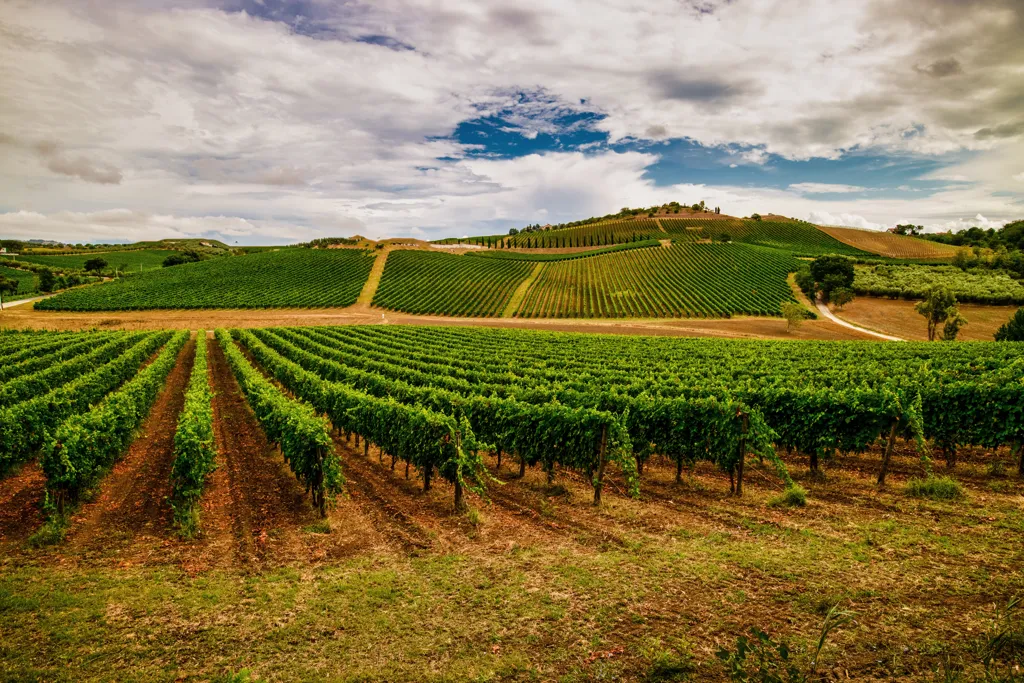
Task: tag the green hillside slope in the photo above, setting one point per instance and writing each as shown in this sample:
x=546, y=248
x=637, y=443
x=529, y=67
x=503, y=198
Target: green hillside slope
x=297, y=278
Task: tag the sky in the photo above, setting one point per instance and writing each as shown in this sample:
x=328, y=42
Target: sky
x=275, y=121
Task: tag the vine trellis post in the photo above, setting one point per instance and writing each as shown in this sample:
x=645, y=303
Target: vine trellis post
x=888, y=452
x=601, y=460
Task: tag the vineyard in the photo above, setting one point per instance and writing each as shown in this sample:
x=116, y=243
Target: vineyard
x=135, y=260
x=294, y=278
x=800, y=239
x=28, y=283
x=466, y=454
x=979, y=285
x=889, y=244
x=594, y=235
x=432, y=283
x=683, y=280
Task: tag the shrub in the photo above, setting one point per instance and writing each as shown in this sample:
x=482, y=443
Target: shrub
x=935, y=488
x=794, y=496
x=1012, y=329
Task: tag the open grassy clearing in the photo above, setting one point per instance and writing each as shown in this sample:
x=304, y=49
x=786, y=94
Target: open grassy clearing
x=898, y=317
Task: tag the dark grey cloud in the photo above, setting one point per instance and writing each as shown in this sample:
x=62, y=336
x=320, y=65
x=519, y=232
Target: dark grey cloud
x=55, y=159
x=942, y=68
x=1006, y=130
x=701, y=89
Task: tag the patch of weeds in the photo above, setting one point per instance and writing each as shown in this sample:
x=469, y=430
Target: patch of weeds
x=243, y=676
x=323, y=527
x=1000, y=487
x=668, y=665
x=997, y=469
x=793, y=496
x=547, y=510
x=474, y=517
x=935, y=488
x=52, y=532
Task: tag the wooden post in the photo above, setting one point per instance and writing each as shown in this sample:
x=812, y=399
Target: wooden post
x=357, y=441
x=732, y=480
x=460, y=504
x=522, y=467
x=366, y=448
x=1020, y=457
x=744, y=426
x=318, y=485
x=406, y=469
x=600, y=465
x=888, y=453
x=499, y=457
x=679, y=469
x=394, y=458
x=814, y=462
x=426, y=476
x=380, y=455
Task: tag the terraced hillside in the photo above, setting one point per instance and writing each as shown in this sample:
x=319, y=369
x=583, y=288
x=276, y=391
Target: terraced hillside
x=294, y=278
x=800, y=239
x=888, y=244
x=683, y=280
x=425, y=282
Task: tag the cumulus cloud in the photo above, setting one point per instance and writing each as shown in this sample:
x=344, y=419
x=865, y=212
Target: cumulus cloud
x=338, y=116
x=847, y=220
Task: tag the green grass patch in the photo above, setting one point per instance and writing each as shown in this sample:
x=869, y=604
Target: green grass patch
x=935, y=488
x=793, y=496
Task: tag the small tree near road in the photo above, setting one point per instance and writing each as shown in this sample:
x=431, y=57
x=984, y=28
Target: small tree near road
x=47, y=280
x=938, y=308
x=840, y=296
x=7, y=286
x=95, y=265
x=794, y=315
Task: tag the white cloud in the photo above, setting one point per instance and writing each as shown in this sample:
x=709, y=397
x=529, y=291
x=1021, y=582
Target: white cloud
x=848, y=220
x=1019, y=177
x=198, y=119
x=825, y=188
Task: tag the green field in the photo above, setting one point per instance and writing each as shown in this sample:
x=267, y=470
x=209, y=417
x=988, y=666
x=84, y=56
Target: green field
x=800, y=239
x=593, y=235
x=300, y=278
x=129, y=261
x=978, y=285
x=28, y=282
x=447, y=284
x=683, y=280
x=566, y=256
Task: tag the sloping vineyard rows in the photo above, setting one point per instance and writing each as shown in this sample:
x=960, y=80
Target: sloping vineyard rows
x=800, y=239
x=195, y=451
x=683, y=280
x=25, y=424
x=818, y=398
x=304, y=436
x=28, y=282
x=40, y=353
x=291, y=278
x=979, y=285
x=568, y=256
x=594, y=235
x=431, y=283
x=86, y=445
x=890, y=245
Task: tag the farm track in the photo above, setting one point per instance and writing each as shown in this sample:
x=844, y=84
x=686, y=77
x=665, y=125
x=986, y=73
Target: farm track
x=264, y=505
x=132, y=501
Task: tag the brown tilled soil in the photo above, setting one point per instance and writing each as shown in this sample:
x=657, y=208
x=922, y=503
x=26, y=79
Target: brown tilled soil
x=21, y=498
x=736, y=328
x=130, y=513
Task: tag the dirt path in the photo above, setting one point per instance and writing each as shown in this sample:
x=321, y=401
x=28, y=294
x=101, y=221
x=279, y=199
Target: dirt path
x=823, y=309
x=132, y=504
x=373, y=281
x=520, y=293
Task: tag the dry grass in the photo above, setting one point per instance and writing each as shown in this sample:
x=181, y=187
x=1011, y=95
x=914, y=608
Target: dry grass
x=898, y=317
